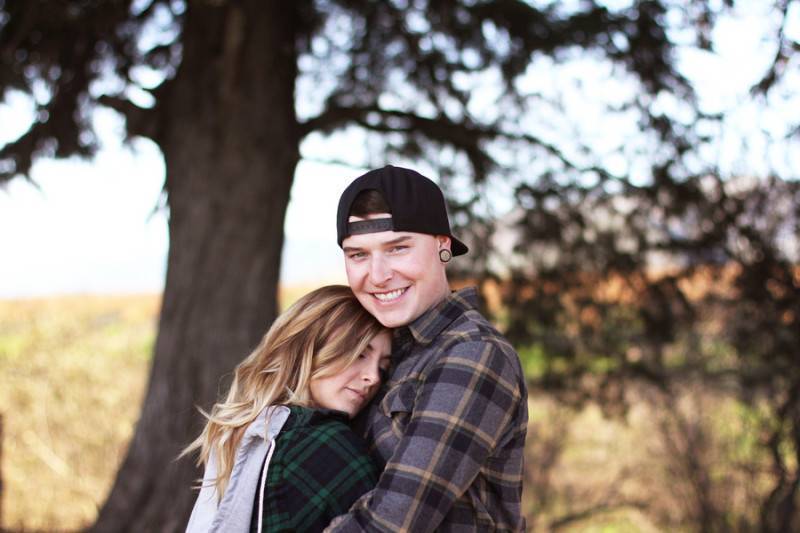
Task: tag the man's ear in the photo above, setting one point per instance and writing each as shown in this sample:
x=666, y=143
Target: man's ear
x=443, y=242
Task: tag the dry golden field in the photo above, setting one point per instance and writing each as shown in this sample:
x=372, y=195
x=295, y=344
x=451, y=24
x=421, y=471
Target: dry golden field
x=73, y=371
x=72, y=374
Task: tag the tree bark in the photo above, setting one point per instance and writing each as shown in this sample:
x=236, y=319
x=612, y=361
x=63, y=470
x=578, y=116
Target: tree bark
x=229, y=135
x=779, y=512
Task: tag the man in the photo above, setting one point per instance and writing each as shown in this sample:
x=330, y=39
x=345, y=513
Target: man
x=450, y=422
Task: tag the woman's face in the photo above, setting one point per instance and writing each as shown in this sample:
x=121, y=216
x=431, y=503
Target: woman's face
x=352, y=388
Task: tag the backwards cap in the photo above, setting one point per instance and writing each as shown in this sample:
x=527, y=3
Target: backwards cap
x=416, y=204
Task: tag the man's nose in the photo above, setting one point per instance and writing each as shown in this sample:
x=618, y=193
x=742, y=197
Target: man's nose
x=379, y=271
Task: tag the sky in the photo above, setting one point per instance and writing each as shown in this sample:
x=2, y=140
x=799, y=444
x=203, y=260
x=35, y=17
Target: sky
x=94, y=226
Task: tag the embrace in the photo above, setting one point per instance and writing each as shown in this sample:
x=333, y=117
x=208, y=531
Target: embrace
x=389, y=405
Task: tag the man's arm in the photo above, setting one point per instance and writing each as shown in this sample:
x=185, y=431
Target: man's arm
x=461, y=411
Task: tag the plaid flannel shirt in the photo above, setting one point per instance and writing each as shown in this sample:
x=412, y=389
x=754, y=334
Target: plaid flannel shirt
x=450, y=426
x=319, y=468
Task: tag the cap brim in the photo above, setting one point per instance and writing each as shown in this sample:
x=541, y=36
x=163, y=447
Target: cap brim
x=457, y=247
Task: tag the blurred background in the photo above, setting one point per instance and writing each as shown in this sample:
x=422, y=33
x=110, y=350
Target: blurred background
x=625, y=174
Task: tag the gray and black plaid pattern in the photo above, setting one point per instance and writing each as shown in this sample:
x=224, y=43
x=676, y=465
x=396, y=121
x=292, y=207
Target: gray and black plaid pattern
x=450, y=427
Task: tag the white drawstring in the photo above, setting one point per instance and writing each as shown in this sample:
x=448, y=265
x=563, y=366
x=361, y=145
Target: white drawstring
x=263, y=484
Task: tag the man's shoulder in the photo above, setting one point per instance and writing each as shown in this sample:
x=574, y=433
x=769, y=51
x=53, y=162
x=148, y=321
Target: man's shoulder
x=472, y=328
x=472, y=345
x=458, y=336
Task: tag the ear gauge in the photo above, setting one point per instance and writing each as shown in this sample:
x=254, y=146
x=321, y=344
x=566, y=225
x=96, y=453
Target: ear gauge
x=445, y=255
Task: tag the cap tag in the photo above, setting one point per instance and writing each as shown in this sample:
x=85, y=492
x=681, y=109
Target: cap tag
x=373, y=225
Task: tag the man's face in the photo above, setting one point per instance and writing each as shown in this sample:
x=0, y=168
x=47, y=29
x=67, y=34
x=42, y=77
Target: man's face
x=396, y=275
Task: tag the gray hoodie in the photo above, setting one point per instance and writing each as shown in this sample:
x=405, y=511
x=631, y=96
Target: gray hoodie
x=233, y=513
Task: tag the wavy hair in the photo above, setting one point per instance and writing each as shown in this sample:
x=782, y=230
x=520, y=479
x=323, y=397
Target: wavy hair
x=319, y=335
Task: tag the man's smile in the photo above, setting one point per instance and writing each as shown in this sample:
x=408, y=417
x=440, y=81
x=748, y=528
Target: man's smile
x=390, y=295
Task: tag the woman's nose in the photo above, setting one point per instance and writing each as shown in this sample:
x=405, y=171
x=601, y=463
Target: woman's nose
x=371, y=374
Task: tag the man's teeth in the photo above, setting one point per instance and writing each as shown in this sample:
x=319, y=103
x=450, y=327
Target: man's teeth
x=388, y=296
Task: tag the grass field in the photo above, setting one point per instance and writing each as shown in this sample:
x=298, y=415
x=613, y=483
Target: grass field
x=73, y=372
x=72, y=375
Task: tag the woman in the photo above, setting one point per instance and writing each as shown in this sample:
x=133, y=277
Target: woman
x=278, y=452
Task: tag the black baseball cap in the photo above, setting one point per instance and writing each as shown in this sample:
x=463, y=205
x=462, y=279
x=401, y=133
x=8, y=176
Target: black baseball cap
x=416, y=204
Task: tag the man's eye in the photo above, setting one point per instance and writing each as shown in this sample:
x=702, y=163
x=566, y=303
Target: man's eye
x=398, y=248
x=356, y=255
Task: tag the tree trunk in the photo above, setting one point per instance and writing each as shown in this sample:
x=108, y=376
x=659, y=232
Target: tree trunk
x=779, y=512
x=230, y=141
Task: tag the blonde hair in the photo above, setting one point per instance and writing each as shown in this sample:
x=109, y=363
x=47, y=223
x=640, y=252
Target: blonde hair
x=319, y=335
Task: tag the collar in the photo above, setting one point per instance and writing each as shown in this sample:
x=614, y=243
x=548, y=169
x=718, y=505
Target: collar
x=312, y=416
x=432, y=322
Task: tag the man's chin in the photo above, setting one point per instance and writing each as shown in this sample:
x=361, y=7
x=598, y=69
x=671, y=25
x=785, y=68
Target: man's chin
x=391, y=319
